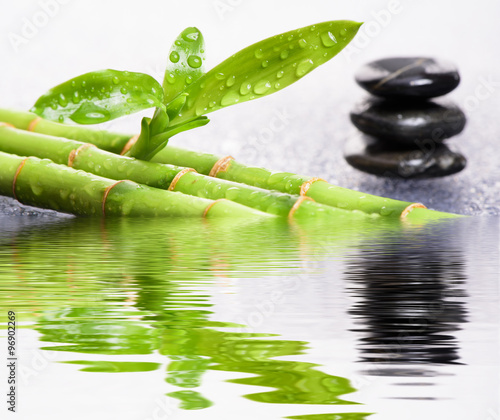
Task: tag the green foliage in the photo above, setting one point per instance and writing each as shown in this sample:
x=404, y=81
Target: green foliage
x=185, y=63
x=99, y=96
x=187, y=93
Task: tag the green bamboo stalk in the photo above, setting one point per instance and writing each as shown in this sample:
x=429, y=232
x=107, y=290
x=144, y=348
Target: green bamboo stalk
x=109, y=165
x=42, y=183
x=320, y=191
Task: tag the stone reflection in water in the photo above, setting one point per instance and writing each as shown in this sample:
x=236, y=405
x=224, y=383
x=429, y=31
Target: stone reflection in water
x=143, y=288
x=409, y=300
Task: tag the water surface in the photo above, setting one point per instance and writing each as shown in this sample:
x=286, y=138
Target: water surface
x=172, y=319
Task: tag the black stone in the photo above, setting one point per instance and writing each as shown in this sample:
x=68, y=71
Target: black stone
x=410, y=123
x=378, y=157
x=408, y=77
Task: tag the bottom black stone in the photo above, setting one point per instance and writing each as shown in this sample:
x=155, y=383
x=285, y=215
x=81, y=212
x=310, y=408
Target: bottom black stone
x=377, y=157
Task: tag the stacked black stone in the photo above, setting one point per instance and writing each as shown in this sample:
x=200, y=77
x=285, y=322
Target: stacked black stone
x=402, y=129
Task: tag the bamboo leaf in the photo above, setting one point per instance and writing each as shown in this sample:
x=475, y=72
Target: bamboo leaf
x=185, y=63
x=267, y=66
x=99, y=96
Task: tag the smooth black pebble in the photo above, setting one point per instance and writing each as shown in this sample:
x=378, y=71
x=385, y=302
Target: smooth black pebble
x=408, y=77
x=378, y=157
x=410, y=123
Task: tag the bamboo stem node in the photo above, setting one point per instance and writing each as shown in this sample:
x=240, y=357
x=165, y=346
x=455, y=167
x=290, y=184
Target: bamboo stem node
x=306, y=185
x=18, y=171
x=6, y=124
x=172, y=185
x=129, y=144
x=213, y=203
x=106, y=192
x=221, y=166
x=408, y=209
x=74, y=153
x=297, y=204
x=33, y=123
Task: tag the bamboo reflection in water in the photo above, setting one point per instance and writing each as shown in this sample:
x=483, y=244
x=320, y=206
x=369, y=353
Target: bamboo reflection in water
x=142, y=288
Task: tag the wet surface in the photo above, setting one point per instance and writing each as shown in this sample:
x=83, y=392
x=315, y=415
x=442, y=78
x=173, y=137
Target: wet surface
x=305, y=321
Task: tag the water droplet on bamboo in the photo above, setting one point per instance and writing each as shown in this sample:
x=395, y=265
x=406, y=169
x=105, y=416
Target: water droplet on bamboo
x=230, y=98
x=62, y=100
x=170, y=78
x=194, y=61
x=174, y=57
x=328, y=39
x=245, y=88
x=262, y=87
x=190, y=35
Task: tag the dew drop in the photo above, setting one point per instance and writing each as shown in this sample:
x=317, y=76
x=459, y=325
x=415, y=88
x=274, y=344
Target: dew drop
x=178, y=43
x=265, y=63
x=116, y=80
x=194, y=61
x=189, y=80
x=61, y=118
x=230, y=81
x=313, y=28
x=343, y=33
x=245, y=88
x=84, y=83
x=73, y=83
x=290, y=37
x=211, y=104
x=76, y=97
x=262, y=87
x=259, y=54
x=304, y=67
x=302, y=43
x=328, y=39
x=170, y=78
x=62, y=100
x=280, y=74
x=123, y=91
x=277, y=85
x=129, y=100
x=174, y=57
x=284, y=54
x=190, y=35
x=220, y=76
x=230, y=98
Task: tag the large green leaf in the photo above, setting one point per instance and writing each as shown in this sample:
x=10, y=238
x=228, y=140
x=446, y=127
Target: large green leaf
x=99, y=96
x=185, y=63
x=267, y=66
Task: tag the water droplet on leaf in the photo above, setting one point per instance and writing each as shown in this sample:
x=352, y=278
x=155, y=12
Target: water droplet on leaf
x=284, y=54
x=230, y=98
x=174, y=56
x=304, y=67
x=262, y=87
x=245, y=88
x=328, y=39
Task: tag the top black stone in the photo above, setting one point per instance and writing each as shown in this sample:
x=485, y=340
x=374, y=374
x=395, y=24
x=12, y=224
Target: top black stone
x=408, y=77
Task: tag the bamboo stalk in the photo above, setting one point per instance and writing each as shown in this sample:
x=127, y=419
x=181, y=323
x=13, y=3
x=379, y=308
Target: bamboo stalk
x=42, y=183
x=319, y=190
x=86, y=157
